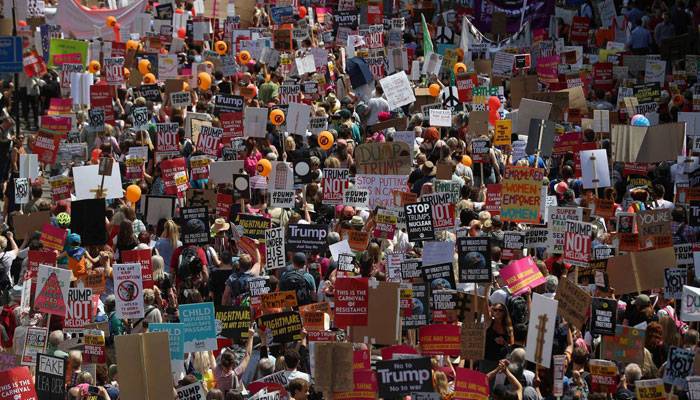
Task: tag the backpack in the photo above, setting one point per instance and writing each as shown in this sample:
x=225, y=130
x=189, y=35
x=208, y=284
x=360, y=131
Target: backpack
x=9, y=322
x=240, y=289
x=518, y=310
x=294, y=280
x=190, y=263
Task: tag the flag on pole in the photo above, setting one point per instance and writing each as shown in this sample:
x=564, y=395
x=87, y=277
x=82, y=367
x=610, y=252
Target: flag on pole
x=427, y=41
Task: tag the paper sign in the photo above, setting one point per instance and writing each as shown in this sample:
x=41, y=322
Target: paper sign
x=199, y=326
x=540, y=335
x=128, y=288
x=522, y=274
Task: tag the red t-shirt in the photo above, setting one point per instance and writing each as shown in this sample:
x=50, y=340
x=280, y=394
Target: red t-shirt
x=175, y=259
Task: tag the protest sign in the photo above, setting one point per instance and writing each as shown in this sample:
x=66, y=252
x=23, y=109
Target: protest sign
x=193, y=391
x=34, y=343
x=440, y=339
x=306, y=238
x=650, y=389
x=335, y=181
x=282, y=327
x=473, y=338
x=603, y=376
x=150, y=366
x=637, y=271
x=52, y=290
x=400, y=377
x=653, y=223
x=79, y=311
x=17, y=384
x=419, y=222
x=128, y=287
x=197, y=219
x=176, y=340
x=679, y=366
x=690, y=304
x=50, y=379
x=540, y=337
x=199, y=326
x=254, y=226
x=351, y=297
x=626, y=345
x=274, y=248
x=603, y=316
x=522, y=274
x=574, y=303
x=521, y=194
x=577, y=243
x=167, y=143
x=674, y=280
x=470, y=385
x=94, y=347
x=557, y=220
x=143, y=257
x=474, y=256
x=390, y=158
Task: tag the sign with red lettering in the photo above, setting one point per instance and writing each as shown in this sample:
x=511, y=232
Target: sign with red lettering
x=351, y=302
x=166, y=140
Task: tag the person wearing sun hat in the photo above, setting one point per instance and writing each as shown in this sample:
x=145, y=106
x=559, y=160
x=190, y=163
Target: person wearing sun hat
x=218, y=232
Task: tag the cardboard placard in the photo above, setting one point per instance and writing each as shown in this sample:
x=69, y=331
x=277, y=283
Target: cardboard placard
x=574, y=303
x=150, y=376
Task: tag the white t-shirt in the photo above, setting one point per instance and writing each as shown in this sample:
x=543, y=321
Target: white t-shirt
x=663, y=203
x=376, y=105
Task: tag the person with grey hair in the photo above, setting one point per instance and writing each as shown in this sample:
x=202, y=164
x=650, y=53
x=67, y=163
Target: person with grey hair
x=55, y=340
x=151, y=313
x=632, y=374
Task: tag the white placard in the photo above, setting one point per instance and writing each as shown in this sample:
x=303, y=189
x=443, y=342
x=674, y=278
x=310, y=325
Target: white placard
x=543, y=314
x=440, y=117
x=397, y=90
x=594, y=168
x=128, y=290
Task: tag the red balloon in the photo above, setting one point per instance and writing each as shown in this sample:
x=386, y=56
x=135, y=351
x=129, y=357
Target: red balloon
x=181, y=33
x=179, y=11
x=493, y=116
x=22, y=23
x=494, y=103
x=302, y=11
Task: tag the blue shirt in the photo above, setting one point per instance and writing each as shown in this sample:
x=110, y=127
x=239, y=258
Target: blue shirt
x=640, y=38
x=634, y=15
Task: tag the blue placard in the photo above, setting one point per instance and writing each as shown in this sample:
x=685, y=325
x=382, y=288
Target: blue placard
x=199, y=326
x=176, y=338
x=282, y=15
x=10, y=54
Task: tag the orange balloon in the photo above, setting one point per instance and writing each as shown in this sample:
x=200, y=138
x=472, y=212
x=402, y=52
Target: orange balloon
x=133, y=193
x=264, y=167
x=144, y=66
x=325, y=140
x=220, y=47
x=466, y=160
x=111, y=21
x=277, y=117
x=244, y=57
x=434, y=90
x=94, y=67
x=149, y=79
x=185, y=86
x=132, y=45
x=460, y=68
x=204, y=81
x=127, y=73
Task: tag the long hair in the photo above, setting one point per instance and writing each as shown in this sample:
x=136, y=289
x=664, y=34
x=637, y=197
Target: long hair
x=171, y=232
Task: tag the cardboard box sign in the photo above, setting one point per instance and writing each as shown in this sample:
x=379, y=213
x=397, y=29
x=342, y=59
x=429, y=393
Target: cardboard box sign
x=149, y=376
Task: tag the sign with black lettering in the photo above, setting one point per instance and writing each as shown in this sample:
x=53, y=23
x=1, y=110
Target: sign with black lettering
x=194, y=391
x=140, y=115
x=474, y=257
x=679, y=366
x=284, y=327
x=254, y=226
x=536, y=237
x=282, y=198
x=232, y=322
x=96, y=118
x=274, y=248
x=195, y=223
x=50, y=377
x=674, y=280
x=603, y=252
x=397, y=378
x=180, y=99
x=603, y=316
x=358, y=198
x=306, y=238
x=419, y=222
x=21, y=190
